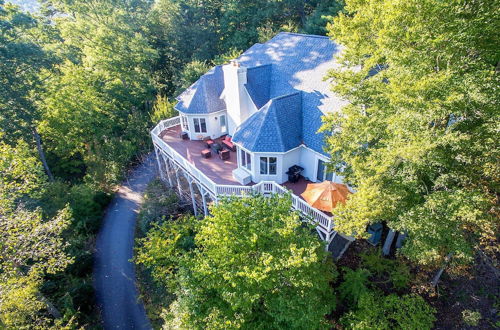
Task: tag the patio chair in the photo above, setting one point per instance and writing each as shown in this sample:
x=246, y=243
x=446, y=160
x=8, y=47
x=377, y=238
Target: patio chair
x=224, y=154
x=228, y=144
x=206, y=153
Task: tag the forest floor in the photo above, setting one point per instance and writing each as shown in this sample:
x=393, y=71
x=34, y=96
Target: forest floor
x=475, y=289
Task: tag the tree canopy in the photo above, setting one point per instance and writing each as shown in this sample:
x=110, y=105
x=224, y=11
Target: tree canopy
x=254, y=265
x=419, y=140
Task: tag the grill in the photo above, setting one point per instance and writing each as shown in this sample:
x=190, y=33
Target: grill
x=294, y=173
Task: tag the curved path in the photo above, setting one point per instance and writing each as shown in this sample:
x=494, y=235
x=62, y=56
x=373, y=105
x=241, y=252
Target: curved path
x=114, y=274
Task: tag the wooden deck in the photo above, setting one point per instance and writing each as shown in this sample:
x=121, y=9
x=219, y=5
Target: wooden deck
x=219, y=171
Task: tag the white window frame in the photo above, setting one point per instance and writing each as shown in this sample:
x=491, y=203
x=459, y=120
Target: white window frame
x=267, y=168
x=325, y=173
x=223, y=128
x=197, y=122
x=185, y=123
x=245, y=160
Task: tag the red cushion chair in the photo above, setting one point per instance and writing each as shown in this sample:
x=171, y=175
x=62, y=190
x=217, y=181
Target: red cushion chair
x=224, y=154
x=206, y=153
x=228, y=144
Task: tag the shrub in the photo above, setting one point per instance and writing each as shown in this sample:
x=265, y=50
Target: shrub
x=375, y=311
x=354, y=285
x=394, y=271
x=163, y=247
x=470, y=317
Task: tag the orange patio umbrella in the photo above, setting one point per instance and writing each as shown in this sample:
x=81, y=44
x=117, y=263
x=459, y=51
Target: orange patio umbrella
x=325, y=195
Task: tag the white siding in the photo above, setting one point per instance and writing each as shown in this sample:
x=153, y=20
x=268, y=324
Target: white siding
x=213, y=125
x=289, y=159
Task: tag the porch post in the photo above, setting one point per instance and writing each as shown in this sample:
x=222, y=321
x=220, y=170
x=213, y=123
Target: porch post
x=159, y=164
x=167, y=167
x=192, y=197
x=178, y=182
x=204, y=200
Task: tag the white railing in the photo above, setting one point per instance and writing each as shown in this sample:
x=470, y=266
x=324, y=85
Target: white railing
x=265, y=187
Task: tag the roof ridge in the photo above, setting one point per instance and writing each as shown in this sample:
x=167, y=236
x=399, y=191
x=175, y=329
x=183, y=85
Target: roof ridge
x=258, y=66
x=279, y=126
x=303, y=35
x=284, y=96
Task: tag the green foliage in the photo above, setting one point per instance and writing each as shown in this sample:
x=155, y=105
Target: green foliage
x=395, y=271
x=255, y=266
x=471, y=318
x=419, y=138
x=191, y=72
x=95, y=107
x=390, y=312
x=165, y=245
x=316, y=22
x=23, y=58
x=21, y=176
x=162, y=109
x=232, y=54
x=354, y=285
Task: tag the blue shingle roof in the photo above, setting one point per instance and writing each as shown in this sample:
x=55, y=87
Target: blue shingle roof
x=276, y=127
x=287, y=63
x=204, y=95
x=259, y=84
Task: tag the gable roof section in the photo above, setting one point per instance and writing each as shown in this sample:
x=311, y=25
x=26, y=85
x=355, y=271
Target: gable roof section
x=276, y=127
x=204, y=95
x=259, y=84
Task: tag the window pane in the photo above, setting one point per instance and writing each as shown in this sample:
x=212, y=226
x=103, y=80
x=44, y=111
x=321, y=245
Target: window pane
x=185, y=125
x=329, y=176
x=321, y=170
x=272, y=165
x=196, y=125
x=263, y=165
x=203, y=125
x=243, y=158
x=249, y=161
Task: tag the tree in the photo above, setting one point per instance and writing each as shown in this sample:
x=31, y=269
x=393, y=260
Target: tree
x=255, y=266
x=22, y=60
x=418, y=139
x=96, y=107
x=31, y=246
x=375, y=311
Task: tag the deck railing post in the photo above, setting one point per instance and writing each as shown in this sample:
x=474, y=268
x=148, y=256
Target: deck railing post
x=178, y=181
x=204, y=200
x=192, y=196
x=167, y=167
x=162, y=176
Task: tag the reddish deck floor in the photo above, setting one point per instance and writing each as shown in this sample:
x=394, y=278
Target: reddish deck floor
x=298, y=187
x=219, y=171
x=216, y=169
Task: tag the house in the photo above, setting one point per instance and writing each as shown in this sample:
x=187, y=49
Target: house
x=269, y=104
